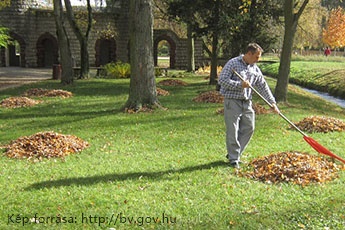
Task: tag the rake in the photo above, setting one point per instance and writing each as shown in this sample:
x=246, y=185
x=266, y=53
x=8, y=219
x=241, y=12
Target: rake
x=313, y=143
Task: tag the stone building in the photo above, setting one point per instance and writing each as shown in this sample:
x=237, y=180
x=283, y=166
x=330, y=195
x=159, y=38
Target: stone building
x=35, y=44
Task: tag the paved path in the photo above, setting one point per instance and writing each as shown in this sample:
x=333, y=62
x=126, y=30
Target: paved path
x=11, y=77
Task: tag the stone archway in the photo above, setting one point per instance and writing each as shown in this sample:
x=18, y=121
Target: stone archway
x=172, y=49
x=47, y=50
x=2, y=57
x=16, y=59
x=105, y=51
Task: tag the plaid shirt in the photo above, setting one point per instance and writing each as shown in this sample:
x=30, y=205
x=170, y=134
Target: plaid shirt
x=231, y=85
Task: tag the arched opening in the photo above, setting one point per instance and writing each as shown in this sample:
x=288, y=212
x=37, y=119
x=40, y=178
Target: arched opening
x=2, y=57
x=47, y=50
x=163, y=54
x=48, y=53
x=105, y=51
x=14, y=53
x=161, y=44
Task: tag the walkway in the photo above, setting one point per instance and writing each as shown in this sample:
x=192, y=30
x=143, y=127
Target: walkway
x=11, y=77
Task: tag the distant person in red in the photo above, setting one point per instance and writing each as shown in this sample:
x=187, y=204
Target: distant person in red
x=327, y=51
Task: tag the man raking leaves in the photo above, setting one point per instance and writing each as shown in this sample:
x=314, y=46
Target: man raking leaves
x=239, y=123
x=239, y=115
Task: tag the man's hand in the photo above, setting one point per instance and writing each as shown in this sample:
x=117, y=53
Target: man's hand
x=275, y=108
x=245, y=84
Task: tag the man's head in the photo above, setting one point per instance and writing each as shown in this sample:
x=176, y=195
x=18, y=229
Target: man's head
x=253, y=53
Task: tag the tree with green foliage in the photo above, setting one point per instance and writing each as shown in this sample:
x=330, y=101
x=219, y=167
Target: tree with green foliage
x=255, y=21
x=293, y=10
x=227, y=25
x=4, y=37
x=203, y=18
x=4, y=3
x=333, y=4
x=309, y=32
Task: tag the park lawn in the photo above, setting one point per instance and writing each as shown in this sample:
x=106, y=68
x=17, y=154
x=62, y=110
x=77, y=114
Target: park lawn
x=160, y=170
x=325, y=76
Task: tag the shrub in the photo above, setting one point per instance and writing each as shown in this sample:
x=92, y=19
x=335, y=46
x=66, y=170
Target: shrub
x=118, y=70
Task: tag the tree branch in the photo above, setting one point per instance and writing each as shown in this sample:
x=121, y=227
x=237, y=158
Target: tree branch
x=301, y=9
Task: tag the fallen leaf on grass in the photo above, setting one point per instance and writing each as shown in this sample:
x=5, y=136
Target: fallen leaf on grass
x=161, y=92
x=144, y=109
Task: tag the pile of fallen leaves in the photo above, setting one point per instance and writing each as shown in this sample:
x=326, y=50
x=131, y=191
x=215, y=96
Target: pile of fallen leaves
x=207, y=69
x=210, y=97
x=17, y=102
x=294, y=167
x=161, y=92
x=216, y=97
x=172, y=82
x=258, y=109
x=45, y=145
x=320, y=124
x=38, y=92
x=25, y=101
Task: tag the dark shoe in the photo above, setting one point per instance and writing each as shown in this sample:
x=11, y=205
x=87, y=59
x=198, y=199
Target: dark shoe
x=227, y=157
x=235, y=165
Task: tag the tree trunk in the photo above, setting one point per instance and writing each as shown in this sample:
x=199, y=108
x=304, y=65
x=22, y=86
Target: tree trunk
x=142, y=90
x=281, y=89
x=290, y=26
x=83, y=39
x=190, y=50
x=215, y=42
x=64, y=45
x=84, y=62
x=214, y=60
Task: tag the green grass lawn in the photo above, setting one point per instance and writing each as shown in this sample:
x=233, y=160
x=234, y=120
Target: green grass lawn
x=159, y=170
x=326, y=76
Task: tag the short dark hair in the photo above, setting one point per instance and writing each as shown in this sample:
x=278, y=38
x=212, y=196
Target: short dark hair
x=254, y=47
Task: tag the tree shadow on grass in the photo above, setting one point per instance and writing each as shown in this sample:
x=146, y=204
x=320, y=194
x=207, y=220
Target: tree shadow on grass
x=87, y=181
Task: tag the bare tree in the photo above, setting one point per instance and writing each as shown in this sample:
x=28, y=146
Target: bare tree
x=64, y=45
x=142, y=90
x=82, y=38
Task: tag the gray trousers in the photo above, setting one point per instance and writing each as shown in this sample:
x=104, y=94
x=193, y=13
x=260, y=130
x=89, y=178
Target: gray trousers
x=239, y=119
